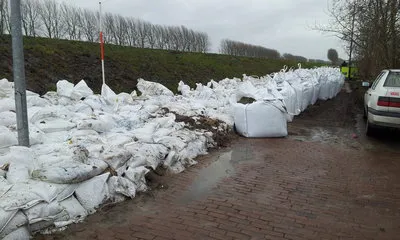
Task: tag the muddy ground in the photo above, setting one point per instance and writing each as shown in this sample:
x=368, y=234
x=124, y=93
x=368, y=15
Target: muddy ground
x=326, y=180
x=340, y=121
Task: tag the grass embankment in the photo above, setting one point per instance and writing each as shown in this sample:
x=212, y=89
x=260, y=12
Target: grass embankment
x=49, y=60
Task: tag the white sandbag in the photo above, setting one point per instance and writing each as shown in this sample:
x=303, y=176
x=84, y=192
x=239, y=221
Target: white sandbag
x=146, y=154
x=10, y=221
x=65, y=191
x=196, y=147
x=64, y=88
x=135, y=175
x=67, y=172
x=21, y=233
x=261, y=119
x=124, y=98
x=82, y=108
x=55, y=125
x=93, y=192
x=81, y=90
x=36, y=135
x=108, y=95
x=121, y=186
x=28, y=194
x=94, y=124
x=6, y=88
x=36, y=101
x=184, y=89
x=50, y=223
x=17, y=173
x=95, y=102
x=115, y=157
x=7, y=138
x=308, y=93
x=74, y=209
x=43, y=212
x=152, y=88
x=118, y=140
x=21, y=160
x=8, y=118
x=289, y=98
x=7, y=104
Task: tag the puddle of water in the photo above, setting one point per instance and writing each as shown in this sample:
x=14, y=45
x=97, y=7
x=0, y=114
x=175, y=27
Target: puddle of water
x=208, y=177
x=317, y=135
x=222, y=167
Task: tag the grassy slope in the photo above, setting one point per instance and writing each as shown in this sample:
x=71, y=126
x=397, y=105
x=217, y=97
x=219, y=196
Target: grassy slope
x=48, y=61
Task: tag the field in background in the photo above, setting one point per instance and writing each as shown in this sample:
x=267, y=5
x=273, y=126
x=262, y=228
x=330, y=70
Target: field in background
x=49, y=60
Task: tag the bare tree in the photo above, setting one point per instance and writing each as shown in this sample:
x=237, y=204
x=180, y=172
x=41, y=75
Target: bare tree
x=71, y=19
x=121, y=30
x=132, y=32
x=370, y=30
x=143, y=31
x=50, y=12
x=89, y=26
x=50, y=19
x=30, y=17
x=296, y=58
x=243, y=49
x=152, y=36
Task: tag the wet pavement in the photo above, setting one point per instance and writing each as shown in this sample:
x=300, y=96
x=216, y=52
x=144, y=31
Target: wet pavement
x=327, y=180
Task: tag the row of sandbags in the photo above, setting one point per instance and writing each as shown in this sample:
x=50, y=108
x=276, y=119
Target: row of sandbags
x=86, y=149
x=280, y=97
x=277, y=99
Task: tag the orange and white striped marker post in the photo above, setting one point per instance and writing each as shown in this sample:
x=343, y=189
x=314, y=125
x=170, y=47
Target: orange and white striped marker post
x=102, y=46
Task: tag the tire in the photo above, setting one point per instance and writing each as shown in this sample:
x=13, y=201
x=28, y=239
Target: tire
x=369, y=129
x=365, y=114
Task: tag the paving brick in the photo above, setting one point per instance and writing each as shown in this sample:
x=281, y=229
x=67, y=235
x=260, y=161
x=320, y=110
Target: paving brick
x=277, y=194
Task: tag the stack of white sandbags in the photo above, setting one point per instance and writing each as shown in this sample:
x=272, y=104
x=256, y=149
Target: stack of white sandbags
x=78, y=139
x=278, y=98
x=87, y=149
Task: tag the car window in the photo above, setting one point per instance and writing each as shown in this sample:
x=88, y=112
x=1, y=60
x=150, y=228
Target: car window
x=393, y=80
x=377, y=80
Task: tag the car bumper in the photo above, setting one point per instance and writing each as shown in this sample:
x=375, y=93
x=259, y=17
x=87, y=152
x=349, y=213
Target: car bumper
x=382, y=119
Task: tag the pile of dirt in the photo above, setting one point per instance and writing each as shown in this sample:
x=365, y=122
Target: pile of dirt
x=223, y=135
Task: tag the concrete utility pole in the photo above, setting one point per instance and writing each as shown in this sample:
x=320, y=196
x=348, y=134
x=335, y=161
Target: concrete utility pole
x=19, y=73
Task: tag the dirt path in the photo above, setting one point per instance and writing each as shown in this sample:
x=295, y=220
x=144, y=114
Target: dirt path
x=325, y=181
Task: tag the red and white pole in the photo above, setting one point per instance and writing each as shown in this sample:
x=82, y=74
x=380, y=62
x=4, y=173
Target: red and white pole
x=102, y=46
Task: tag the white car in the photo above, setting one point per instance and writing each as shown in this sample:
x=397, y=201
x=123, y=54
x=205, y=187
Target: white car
x=382, y=101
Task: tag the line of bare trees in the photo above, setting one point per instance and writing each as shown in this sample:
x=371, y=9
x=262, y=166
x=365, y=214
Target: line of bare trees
x=236, y=48
x=48, y=18
x=371, y=31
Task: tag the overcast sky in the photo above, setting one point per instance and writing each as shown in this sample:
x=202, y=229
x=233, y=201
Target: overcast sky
x=284, y=25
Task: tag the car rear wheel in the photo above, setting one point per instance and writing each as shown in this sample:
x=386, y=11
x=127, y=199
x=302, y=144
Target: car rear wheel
x=369, y=129
x=365, y=114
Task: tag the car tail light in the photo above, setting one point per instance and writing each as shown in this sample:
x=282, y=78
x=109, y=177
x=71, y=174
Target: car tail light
x=389, y=102
x=383, y=101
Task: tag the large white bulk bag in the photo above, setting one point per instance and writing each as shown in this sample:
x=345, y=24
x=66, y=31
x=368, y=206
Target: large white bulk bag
x=261, y=119
x=290, y=99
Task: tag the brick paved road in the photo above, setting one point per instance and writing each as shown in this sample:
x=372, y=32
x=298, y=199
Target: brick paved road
x=264, y=189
